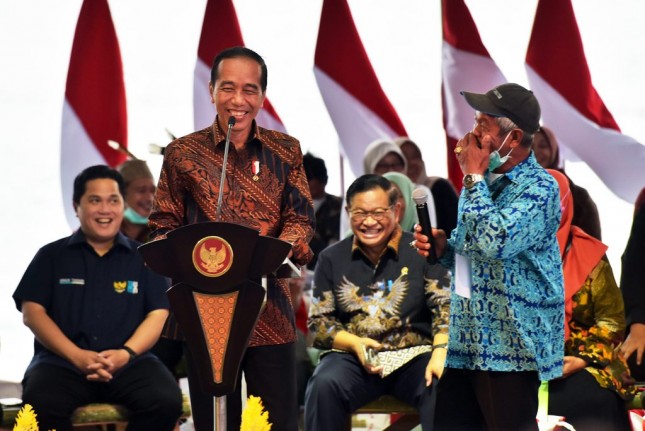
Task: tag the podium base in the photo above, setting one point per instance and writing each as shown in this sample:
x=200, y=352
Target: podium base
x=219, y=410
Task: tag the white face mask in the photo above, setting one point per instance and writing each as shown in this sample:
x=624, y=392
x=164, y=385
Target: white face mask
x=495, y=160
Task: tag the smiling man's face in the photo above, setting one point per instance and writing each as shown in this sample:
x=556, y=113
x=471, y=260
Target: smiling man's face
x=237, y=92
x=100, y=212
x=373, y=219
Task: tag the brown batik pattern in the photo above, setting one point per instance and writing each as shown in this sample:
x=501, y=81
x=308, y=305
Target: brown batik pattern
x=277, y=203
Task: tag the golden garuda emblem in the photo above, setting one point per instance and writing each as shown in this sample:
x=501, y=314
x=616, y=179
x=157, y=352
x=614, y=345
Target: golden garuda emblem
x=212, y=256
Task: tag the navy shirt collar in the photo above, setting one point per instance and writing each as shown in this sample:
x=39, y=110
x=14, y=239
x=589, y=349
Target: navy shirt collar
x=78, y=237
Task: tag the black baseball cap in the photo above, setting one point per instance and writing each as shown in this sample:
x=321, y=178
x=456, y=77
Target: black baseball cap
x=508, y=100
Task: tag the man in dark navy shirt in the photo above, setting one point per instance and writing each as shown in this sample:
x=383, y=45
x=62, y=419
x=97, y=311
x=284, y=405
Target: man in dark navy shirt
x=95, y=311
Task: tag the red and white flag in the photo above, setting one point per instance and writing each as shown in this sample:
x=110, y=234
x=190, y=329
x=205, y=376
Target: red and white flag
x=220, y=30
x=94, y=110
x=357, y=105
x=466, y=65
x=559, y=76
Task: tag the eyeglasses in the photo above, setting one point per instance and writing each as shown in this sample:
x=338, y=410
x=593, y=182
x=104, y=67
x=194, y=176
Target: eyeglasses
x=359, y=216
x=384, y=167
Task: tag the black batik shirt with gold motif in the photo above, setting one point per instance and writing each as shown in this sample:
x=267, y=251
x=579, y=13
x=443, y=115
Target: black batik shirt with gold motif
x=401, y=302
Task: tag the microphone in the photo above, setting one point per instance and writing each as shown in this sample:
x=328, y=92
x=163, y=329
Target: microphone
x=156, y=149
x=231, y=123
x=120, y=148
x=420, y=197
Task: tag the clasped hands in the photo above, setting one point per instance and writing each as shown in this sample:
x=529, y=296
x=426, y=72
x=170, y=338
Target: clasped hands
x=101, y=366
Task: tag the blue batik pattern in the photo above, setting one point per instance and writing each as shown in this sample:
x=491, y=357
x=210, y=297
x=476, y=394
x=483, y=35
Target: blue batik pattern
x=514, y=320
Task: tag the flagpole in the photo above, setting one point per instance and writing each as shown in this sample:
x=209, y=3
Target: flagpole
x=342, y=175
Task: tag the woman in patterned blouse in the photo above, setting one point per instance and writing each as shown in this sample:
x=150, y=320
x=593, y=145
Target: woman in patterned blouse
x=592, y=392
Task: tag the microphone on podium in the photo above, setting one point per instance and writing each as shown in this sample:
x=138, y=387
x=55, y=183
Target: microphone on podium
x=231, y=123
x=420, y=197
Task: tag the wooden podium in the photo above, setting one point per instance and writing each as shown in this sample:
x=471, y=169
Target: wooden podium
x=217, y=294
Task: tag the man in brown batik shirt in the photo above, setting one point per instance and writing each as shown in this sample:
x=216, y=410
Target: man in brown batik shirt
x=265, y=189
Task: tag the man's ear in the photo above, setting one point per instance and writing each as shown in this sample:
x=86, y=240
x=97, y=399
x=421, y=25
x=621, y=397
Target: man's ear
x=397, y=212
x=516, y=137
x=211, y=89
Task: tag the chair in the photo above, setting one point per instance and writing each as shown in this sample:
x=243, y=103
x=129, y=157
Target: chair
x=638, y=402
x=408, y=419
x=408, y=416
x=102, y=416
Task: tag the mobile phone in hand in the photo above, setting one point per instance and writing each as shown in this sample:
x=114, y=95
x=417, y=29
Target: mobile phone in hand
x=370, y=355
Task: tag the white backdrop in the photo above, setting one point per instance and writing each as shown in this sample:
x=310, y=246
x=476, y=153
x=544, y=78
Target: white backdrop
x=158, y=42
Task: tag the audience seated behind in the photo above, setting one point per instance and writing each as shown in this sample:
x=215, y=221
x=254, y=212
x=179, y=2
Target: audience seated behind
x=139, y=196
x=593, y=391
x=443, y=191
x=304, y=363
x=404, y=187
x=327, y=207
x=547, y=153
x=632, y=286
x=384, y=157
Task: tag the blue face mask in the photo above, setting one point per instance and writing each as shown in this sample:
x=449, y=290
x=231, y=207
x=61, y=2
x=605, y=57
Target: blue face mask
x=495, y=160
x=134, y=217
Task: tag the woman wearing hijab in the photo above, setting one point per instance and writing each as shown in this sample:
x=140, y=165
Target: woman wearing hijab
x=383, y=156
x=547, y=153
x=443, y=192
x=408, y=210
x=591, y=394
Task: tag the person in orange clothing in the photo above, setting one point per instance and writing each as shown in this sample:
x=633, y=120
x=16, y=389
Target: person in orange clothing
x=591, y=394
x=547, y=153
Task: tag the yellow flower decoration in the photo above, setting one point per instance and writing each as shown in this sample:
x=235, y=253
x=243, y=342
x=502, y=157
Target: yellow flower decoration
x=404, y=270
x=254, y=418
x=26, y=419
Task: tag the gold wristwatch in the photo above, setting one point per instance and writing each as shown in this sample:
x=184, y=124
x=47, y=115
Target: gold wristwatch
x=471, y=179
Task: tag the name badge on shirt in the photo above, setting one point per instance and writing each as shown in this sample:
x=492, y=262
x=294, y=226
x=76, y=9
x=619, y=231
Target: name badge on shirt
x=74, y=281
x=463, y=276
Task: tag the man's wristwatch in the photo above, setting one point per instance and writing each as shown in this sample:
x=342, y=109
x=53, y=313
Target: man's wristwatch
x=131, y=352
x=471, y=179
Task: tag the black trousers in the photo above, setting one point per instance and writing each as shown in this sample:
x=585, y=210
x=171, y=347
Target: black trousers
x=270, y=373
x=340, y=385
x=146, y=388
x=169, y=352
x=474, y=400
x=586, y=405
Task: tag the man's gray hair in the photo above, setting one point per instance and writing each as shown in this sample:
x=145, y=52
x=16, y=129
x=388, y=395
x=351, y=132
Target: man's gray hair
x=506, y=125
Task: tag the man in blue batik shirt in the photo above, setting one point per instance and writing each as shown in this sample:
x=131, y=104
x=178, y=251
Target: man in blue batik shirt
x=507, y=305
